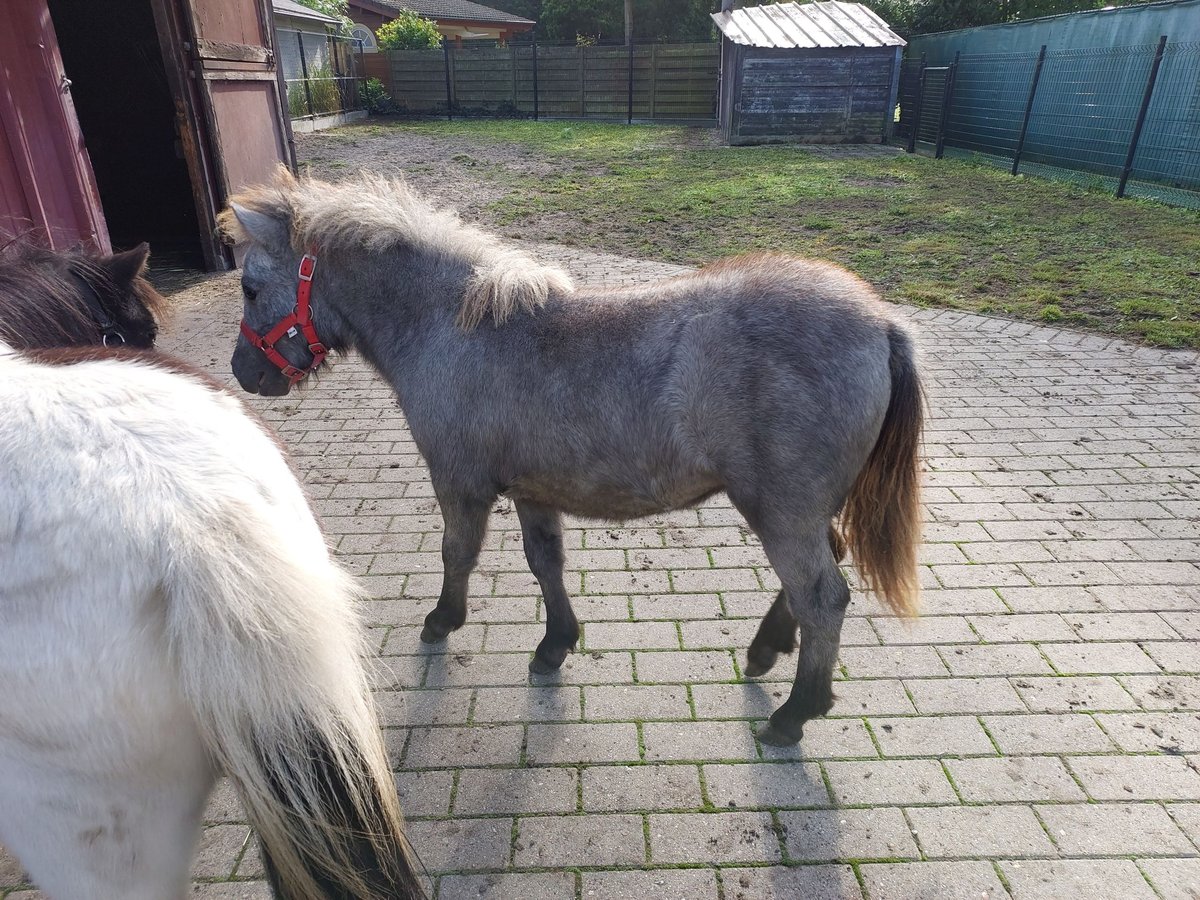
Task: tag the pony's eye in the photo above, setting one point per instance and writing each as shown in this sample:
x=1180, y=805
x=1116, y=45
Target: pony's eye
x=249, y=293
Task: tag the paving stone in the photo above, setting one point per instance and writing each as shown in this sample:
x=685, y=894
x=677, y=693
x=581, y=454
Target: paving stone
x=1175, y=879
x=996, y=659
x=870, y=698
x=537, y=790
x=630, y=635
x=1023, y=627
x=827, y=739
x=765, y=785
x=1097, y=658
x=1046, y=733
x=662, y=884
x=554, y=703
x=637, y=702
x=889, y=782
x=1016, y=779
x=1096, y=879
x=1136, y=777
x=892, y=662
x=218, y=851
x=1113, y=829
x=423, y=707
x=779, y=883
x=569, y=841
x=425, y=793
x=527, y=886
x=685, y=666
x=1075, y=694
x=1153, y=732
x=698, y=740
x=843, y=834
x=932, y=880
x=1167, y=692
x=551, y=744
x=931, y=735
x=449, y=747
x=991, y=831
x=713, y=837
x=632, y=788
x=461, y=845
x=964, y=695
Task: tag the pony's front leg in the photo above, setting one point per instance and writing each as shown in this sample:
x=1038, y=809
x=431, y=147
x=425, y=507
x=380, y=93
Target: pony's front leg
x=466, y=525
x=541, y=531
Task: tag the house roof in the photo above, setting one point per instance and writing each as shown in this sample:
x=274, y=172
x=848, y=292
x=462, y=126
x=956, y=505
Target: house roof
x=454, y=10
x=807, y=25
x=300, y=11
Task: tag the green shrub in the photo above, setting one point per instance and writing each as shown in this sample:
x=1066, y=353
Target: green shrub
x=322, y=86
x=408, y=31
x=376, y=99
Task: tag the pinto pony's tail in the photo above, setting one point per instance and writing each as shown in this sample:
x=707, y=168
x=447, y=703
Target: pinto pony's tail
x=882, y=515
x=265, y=637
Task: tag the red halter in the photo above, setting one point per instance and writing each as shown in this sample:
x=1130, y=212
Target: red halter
x=300, y=317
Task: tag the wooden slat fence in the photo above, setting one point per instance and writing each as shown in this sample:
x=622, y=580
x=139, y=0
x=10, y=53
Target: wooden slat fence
x=671, y=82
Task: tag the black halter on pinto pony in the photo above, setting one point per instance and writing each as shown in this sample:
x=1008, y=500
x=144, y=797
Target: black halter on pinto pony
x=300, y=318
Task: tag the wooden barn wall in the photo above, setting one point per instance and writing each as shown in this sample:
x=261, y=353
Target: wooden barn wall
x=817, y=96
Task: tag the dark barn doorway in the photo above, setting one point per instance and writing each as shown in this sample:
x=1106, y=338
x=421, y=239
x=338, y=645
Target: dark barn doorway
x=119, y=86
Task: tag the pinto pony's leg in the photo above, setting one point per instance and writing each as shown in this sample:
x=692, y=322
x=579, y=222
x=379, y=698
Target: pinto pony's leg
x=541, y=530
x=466, y=527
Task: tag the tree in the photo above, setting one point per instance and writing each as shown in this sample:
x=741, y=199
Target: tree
x=336, y=8
x=408, y=31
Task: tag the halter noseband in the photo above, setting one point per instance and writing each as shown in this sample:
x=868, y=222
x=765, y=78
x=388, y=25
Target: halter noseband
x=300, y=317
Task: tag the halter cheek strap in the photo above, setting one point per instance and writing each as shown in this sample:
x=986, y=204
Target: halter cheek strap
x=299, y=318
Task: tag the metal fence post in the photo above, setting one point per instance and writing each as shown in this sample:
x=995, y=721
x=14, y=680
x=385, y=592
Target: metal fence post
x=449, y=92
x=535, y=74
x=916, y=122
x=1033, y=86
x=304, y=71
x=1141, y=116
x=629, y=118
x=940, y=145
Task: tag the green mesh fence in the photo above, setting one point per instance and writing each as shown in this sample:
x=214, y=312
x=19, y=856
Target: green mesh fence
x=1075, y=118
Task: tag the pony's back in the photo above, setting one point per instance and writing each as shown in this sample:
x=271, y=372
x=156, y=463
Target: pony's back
x=148, y=508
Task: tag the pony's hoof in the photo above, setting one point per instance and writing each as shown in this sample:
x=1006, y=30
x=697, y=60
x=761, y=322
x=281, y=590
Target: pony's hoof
x=759, y=664
x=539, y=666
x=774, y=737
x=431, y=635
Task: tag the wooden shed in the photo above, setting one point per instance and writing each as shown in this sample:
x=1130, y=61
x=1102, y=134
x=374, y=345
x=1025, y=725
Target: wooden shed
x=131, y=121
x=807, y=73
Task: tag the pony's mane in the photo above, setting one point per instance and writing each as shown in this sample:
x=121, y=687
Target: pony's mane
x=41, y=303
x=379, y=214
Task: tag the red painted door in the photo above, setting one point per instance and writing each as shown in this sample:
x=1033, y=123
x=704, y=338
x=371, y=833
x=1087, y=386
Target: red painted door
x=47, y=189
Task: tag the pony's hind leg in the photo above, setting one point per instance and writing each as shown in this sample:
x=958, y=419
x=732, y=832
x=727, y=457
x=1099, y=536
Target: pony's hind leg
x=777, y=631
x=818, y=596
x=541, y=531
x=466, y=527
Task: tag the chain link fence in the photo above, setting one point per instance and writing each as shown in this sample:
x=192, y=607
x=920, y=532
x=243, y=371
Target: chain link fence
x=1125, y=119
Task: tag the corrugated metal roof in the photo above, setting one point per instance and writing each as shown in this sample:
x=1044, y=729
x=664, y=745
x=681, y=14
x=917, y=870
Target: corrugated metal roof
x=807, y=25
x=299, y=11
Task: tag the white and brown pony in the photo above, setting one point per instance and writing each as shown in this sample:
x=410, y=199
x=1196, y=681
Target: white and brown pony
x=171, y=612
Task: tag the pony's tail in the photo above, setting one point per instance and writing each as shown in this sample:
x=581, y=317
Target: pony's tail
x=882, y=515
x=263, y=630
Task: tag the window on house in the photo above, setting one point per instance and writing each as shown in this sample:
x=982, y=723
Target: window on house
x=365, y=36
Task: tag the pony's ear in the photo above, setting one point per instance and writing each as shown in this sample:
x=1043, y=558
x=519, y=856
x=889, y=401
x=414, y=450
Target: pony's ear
x=260, y=227
x=124, y=267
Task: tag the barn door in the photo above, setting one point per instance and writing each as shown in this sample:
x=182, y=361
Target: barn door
x=226, y=50
x=47, y=188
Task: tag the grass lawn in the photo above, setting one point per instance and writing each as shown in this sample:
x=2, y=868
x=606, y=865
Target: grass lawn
x=945, y=233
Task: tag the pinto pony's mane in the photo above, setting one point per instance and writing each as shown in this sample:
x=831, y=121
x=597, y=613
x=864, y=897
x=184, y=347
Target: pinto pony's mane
x=378, y=215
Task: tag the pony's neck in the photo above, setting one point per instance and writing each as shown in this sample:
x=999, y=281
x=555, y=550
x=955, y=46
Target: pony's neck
x=386, y=305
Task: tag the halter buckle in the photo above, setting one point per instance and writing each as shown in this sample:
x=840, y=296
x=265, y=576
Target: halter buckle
x=308, y=265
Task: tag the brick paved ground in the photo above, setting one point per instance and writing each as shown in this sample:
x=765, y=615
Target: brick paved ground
x=1036, y=733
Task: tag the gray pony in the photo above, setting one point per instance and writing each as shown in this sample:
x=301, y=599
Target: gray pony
x=784, y=382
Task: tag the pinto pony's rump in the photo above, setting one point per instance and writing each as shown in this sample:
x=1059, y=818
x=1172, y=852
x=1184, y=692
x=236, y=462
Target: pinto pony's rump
x=882, y=516
x=172, y=611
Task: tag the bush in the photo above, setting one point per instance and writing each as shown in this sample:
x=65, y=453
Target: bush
x=322, y=86
x=376, y=99
x=408, y=31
